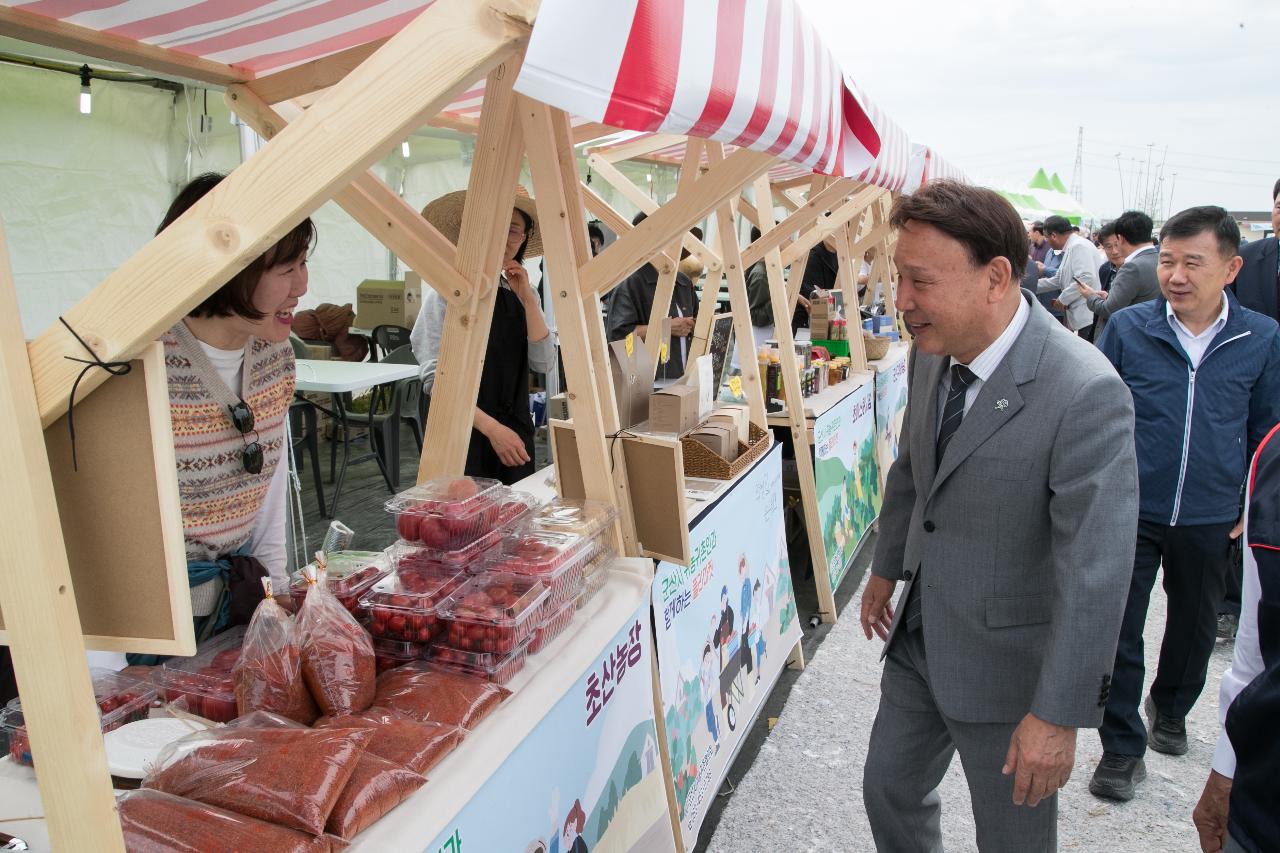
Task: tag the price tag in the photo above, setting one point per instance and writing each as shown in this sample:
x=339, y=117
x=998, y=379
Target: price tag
x=735, y=385
x=631, y=345
x=662, y=353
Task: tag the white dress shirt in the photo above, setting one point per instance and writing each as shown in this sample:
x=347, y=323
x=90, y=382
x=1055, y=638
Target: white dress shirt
x=1196, y=346
x=986, y=362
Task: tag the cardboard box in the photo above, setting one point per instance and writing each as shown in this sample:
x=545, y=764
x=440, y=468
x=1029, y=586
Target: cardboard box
x=558, y=407
x=388, y=302
x=820, y=309
x=818, y=329
x=727, y=421
x=674, y=409
x=719, y=439
x=741, y=415
x=631, y=380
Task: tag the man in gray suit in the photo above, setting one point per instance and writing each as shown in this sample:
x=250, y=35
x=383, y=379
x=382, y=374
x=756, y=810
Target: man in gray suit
x=1010, y=514
x=1136, y=280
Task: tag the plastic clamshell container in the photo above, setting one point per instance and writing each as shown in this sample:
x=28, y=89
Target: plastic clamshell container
x=403, y=605
x=556, y=559
x=347, y=571
x=595, y=573
x=409, y=556
x=348, y=596
x=553, y=626
x=203, y=683
x=389, y=654
x=490, y=666
x=493, y=612
x=583, y=517
x=447, y=513
x=121, y=699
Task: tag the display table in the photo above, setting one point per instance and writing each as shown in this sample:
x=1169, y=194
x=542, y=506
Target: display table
x=821, y=403
x=541, y=715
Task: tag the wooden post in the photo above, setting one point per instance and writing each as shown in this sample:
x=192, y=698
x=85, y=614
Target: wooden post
x=795, y=414
x=849, y=287
x=564, y=234
x=40, y=615
x=667, y=280
x=485, y=219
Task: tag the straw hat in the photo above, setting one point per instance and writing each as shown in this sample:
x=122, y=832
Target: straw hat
x=445, y=213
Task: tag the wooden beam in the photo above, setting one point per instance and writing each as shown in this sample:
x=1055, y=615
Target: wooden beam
x=314, y=75
x=795, y=415
x=485, y=220
x=28, y=26
x=589, y=131
x=620, y=225
x=640, y=199
x=629, y=252
x=801, y=219
x=369, y=201
x=848, y=283
x=822, y=227
x=792, y=183
x=667, y=280
x=877, y=235
x=591, y=403
x=40, y=614
x=416, y=73
x=637, y=147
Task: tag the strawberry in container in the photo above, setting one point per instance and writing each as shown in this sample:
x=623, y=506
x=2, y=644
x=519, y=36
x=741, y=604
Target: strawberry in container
x=491, y=666
x=447, y=513
x=348, y=575
x=389, y=654
x=552, y=626
x=203, y=685
x=594, y=573
x=402, y=605
x=121, y=699
x=555, y=559
x=492, y=612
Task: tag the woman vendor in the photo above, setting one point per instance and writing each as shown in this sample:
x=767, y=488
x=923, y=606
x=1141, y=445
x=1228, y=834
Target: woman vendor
x=519, y=341
x=231, y=377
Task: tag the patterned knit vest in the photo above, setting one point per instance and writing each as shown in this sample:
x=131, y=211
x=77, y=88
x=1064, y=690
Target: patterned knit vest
x=220, y=500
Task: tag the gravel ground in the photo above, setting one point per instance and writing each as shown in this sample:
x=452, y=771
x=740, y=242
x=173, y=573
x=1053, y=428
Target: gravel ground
x=803, y=791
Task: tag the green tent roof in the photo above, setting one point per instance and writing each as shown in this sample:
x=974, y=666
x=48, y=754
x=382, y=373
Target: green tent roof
x=1057, y=183
x=1040, y=181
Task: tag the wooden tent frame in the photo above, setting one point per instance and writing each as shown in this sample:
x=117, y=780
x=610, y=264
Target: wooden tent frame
x=374, y=96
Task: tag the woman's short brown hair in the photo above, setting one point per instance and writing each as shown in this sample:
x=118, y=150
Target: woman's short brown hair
x=236, y=296
x=981, y=220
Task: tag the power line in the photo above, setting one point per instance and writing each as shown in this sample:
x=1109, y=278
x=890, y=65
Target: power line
x=1202, y=155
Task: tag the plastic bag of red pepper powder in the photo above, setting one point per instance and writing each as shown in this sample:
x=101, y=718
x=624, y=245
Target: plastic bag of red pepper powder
x=409, y=743
x=156, y=822
x=268, y=674
x=434, y=694
x=337, y=653
x=376, y=787
x=287, y=776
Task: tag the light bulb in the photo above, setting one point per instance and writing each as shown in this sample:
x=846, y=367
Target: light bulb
x=404, y=149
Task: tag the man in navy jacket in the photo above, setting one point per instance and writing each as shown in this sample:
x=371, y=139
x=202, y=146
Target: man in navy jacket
x=1205, y=377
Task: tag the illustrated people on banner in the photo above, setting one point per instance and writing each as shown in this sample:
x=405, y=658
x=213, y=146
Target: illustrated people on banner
x=724, y=630
x=574, y=825
x=760, y=615
x=707, y=676
x=744, y=575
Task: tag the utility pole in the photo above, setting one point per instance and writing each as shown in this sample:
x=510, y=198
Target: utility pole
x=1077, y=172
x=1120, y=174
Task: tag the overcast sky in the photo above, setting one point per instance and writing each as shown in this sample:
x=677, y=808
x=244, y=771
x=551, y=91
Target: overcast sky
x=1000, y=88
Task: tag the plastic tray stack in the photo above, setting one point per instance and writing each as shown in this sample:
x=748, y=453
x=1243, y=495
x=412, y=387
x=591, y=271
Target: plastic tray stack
x=202, y=685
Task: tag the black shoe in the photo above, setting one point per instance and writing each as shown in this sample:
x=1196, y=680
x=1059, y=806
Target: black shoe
x=1116, y=776
x=1165, y=733
x=1228, y=624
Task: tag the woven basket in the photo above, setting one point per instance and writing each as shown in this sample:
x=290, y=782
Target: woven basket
x=877, y=347
x=701, y=461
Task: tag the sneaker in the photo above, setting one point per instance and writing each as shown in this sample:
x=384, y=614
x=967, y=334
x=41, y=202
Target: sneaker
x=1165, y=733
x=1117, y=776
x=1228, y=624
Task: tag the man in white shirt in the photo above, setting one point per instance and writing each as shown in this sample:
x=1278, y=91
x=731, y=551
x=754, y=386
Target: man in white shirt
x=1079, y=263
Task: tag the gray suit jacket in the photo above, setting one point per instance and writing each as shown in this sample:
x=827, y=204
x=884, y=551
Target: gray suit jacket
x=1134, y=282
x=1255, y=284
x=1024, y=537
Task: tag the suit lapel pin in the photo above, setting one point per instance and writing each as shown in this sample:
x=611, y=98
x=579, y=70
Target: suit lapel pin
x=1001, y=405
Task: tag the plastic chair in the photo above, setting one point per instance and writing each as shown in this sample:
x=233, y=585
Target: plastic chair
x=387, y=338
x=303, y=426
x=414, y=407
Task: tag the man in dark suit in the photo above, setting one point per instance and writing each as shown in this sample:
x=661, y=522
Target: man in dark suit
x=1135, y=281
x=1012, y=526
x=1107, y=242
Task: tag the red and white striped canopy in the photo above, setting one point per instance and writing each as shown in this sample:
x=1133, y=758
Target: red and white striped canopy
x=892, y=163
x=927, y=165
x=256, y=36
x=752, y=73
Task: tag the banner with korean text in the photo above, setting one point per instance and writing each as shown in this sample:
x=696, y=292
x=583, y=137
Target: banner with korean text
x=847, y=475
x=588, y=777
x=891, y=405
x=725, y=624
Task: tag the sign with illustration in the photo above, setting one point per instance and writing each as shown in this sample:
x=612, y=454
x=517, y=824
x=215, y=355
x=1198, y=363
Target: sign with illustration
x=589, y=777
x=847, y=475
x=726, y=624
x=891, y=407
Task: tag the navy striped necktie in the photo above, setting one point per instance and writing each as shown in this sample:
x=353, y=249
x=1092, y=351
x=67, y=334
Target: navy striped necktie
x=953, y=410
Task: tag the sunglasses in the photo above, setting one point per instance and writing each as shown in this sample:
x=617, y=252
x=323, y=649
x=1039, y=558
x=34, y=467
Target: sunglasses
x=242, y=419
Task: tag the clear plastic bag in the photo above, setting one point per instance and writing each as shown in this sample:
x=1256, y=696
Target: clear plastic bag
x=286, y=776
x=376, y=787
x=429, y=693
x=338, y=664
x=156, y=822
x=410, y=743
x=268, y=675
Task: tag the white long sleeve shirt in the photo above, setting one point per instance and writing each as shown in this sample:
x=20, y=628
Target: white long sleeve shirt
x=1079, y=260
